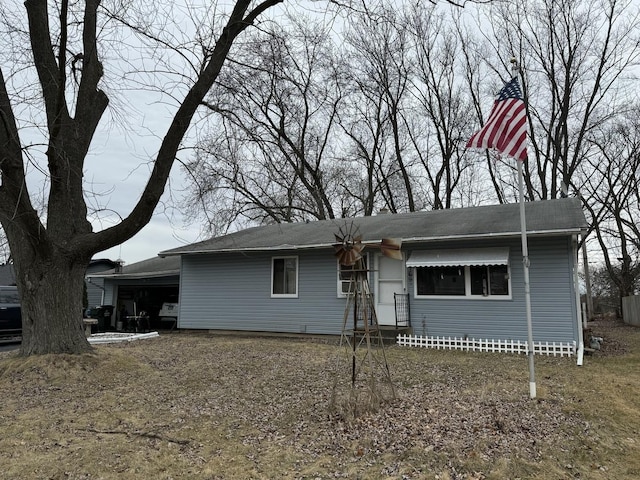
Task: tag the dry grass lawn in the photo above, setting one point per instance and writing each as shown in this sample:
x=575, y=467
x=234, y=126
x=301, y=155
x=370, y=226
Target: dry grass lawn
x=222, y=407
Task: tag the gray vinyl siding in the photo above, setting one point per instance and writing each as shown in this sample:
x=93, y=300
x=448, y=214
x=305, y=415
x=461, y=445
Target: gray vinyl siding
x=110, y=293
x=553, y=304
x=95, y=287
x=233, y=292
x=95, y=290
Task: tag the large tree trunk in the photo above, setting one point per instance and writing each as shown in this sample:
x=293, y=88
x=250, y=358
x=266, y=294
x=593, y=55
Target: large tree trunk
x=51, y=293
x=51, y=258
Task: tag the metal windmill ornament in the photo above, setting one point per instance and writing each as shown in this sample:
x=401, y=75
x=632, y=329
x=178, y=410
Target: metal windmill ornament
x=348, y=247
x=362, y=378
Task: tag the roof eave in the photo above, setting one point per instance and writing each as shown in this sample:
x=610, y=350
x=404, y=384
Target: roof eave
x=116, y=276
x=274, y=248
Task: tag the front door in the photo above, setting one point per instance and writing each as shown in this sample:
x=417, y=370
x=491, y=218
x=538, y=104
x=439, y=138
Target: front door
x=390, y=279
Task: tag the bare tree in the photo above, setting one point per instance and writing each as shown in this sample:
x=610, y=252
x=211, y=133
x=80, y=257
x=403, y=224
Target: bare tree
x=363, y=125
x=612, y=183
x=379, y=53
x=606, y=297
x=368, y=146
x=443, y=114
x=576, y=58
x=52, y=248
x=277, y=103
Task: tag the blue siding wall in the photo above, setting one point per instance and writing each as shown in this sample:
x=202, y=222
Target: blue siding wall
x=553, y=301
x=95, y=287
x=232, y=292
x=110, y=293
x=95, y=290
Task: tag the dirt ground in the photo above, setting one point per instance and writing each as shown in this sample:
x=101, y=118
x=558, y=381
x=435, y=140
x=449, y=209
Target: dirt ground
x=225, y=407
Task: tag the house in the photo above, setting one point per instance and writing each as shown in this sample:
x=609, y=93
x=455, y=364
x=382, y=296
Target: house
x=462, y=273
x=95, y=286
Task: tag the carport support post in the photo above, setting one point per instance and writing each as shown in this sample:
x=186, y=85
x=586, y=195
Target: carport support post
x=527, y=292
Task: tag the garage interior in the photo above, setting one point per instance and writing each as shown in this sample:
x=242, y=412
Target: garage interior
x=147, y=298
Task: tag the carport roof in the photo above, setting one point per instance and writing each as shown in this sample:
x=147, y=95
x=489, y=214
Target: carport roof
x=545, y=217
x=151, y=267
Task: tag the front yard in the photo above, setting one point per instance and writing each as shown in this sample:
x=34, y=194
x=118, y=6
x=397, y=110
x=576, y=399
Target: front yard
x=221, y=407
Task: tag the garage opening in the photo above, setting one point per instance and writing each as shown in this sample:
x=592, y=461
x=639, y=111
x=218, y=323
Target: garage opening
x=136, y=299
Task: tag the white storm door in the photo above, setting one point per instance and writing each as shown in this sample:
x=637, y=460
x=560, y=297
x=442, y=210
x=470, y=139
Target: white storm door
x=390, y=279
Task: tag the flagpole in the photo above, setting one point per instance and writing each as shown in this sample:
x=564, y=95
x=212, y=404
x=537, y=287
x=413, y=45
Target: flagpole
x=527, y=291
x=525, y=264
x=506, y=132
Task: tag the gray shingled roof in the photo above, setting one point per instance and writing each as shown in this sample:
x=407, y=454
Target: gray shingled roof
x=151, y=267
x=560, y=216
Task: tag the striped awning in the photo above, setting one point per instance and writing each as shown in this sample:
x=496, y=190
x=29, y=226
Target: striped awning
x=459, y=257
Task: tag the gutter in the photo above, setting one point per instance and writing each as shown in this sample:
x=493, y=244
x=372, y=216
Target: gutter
x=137, y=276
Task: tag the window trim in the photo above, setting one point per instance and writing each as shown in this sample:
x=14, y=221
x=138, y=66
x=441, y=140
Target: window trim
x=284, y=295
x=467, y=286
x=340, y=293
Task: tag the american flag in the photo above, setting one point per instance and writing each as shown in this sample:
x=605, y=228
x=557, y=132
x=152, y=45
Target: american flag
x=506, y=128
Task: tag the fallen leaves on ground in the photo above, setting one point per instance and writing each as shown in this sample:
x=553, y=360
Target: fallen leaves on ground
x=223, y=407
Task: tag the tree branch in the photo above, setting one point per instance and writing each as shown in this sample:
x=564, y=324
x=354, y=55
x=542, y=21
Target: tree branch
x=143, y=210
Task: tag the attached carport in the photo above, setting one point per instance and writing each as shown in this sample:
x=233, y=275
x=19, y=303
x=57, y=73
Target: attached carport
x=142, y=286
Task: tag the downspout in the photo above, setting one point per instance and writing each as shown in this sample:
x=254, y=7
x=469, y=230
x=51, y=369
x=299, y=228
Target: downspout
x=587, y=278
x=576, y=287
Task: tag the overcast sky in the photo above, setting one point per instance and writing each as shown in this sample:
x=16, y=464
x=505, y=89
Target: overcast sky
x=127, y=141
x=117, y=170
x=119, y=161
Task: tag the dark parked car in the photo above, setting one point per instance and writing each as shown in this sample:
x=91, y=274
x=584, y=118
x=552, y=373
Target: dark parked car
x=10, y=315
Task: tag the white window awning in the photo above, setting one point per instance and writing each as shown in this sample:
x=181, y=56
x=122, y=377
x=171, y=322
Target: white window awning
x=459, y=257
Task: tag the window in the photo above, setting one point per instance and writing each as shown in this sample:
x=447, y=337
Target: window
x=284, y=277
x=440, y=281
x=489, y=280
x=463, y=281
x=469, y=272
x=344, y=276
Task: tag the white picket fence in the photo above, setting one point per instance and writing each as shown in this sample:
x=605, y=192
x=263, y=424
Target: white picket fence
x=486, y=345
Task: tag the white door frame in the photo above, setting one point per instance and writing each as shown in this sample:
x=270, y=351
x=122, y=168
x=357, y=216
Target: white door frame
x=384, y=303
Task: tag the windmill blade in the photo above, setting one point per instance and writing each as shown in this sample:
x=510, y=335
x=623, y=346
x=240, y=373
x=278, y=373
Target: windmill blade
x=348, y=257
x=390, y=247
x=348, y=247
x=340, y=246
x=357, y=244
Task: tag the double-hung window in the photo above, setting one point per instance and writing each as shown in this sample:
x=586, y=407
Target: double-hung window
x=346, y=276
x=469, y=273
x=284, y=277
